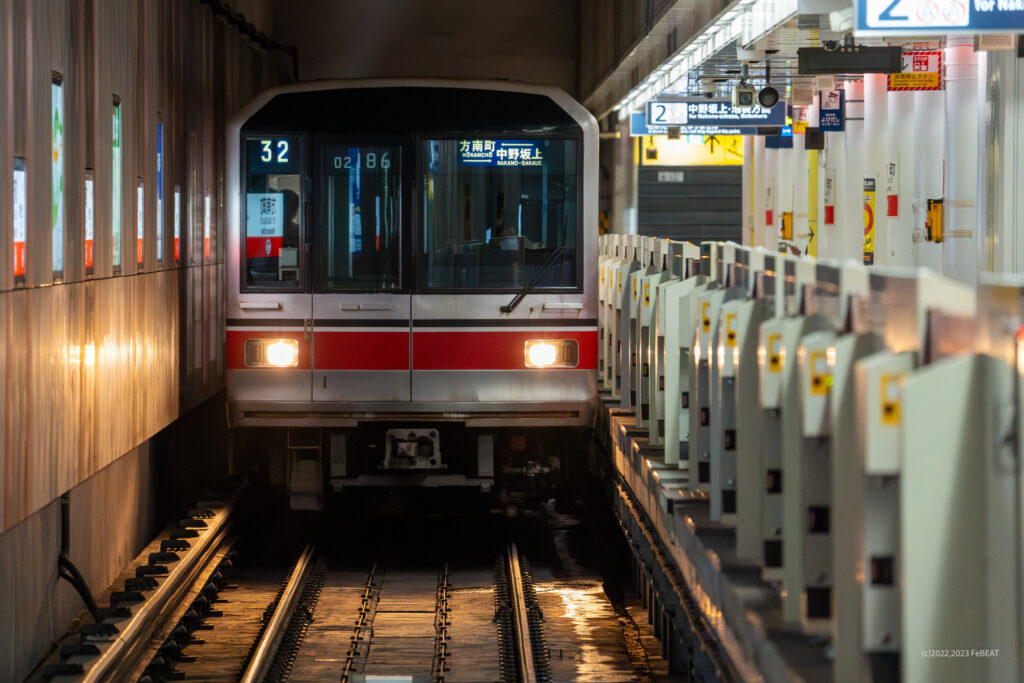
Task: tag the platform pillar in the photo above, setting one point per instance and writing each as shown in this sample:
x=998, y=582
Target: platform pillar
x=960, y=205
x=899, y=192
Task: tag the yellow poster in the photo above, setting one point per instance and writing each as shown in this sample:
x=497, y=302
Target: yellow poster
x=869, y=221
x=692, y=150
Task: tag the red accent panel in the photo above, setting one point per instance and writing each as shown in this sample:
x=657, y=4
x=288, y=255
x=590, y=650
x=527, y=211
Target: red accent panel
x=19, y=258
x=235, y=347
x=470, y=350
x=384, y=350
x=830, y=215
x=768, y=218
x=256, y=247
x=893, y=208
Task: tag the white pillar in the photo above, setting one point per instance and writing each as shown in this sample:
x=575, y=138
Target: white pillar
x=873, y=163
x=757, y=142
x=929, y=131
x=784, y=199
x=960, y=208
x=770, y=191
x=747, y=229
x=799, y=155
x=830, y=242
x=900, y=193
x=814, y=161
x=1002, y=155
x=852, y=200
x=624, y=182
x=985, y=243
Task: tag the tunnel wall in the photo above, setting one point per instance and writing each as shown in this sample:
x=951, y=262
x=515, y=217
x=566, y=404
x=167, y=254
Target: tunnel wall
x=111, y=518
x=532, y=41
x=94, y=364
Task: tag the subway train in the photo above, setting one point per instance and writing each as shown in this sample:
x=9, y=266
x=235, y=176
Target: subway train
x=411, y=285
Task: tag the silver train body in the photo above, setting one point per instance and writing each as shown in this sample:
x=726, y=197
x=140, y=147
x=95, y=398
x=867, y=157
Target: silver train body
x=411, y=280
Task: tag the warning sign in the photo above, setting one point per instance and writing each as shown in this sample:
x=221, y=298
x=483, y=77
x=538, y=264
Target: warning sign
x=869, y=221
x=922, y=70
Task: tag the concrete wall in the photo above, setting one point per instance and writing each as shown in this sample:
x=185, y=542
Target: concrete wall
x=94, y=364
x=535, y=41
x=111, y=519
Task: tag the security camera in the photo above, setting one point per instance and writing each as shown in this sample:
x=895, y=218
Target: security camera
x=768, y=97
x=743, y=95
x=708, y=88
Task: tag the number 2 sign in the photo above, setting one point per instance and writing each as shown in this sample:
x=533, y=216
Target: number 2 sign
x=937, y=17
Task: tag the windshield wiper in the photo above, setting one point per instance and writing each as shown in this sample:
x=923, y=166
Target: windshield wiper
x=532, y=282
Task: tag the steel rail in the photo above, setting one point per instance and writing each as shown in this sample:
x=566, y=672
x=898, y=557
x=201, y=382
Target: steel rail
x=135, y=636
x=365, y=608
x=520, y=618
x=263, y=657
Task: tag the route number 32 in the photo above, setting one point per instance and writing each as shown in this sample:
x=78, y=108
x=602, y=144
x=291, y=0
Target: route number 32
x=268, y=148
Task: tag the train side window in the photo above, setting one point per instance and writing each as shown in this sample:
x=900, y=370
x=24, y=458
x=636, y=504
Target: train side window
x=273, y=197
x=500, y=214
x=360, y=217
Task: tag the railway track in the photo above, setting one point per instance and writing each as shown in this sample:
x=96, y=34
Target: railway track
x=400, y=619
x=156, y=607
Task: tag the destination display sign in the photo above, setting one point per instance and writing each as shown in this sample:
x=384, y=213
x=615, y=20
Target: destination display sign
x=938, y=17
x=501, y=153
x=639, y=126
x=715, y=113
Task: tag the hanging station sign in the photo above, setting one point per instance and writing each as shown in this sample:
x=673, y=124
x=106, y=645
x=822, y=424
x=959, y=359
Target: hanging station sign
x=716, y=113
x=639, y=126
x=938, y=17
x=922, y=70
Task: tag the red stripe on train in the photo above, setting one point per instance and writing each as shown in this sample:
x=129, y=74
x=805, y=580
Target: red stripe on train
x=384, y=350
x=389, y=349
x=234, y=352
x=469, y=350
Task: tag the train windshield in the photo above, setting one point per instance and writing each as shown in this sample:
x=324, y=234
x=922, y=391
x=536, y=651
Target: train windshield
x=361, y=217
x=500, y=214
x=272, y=192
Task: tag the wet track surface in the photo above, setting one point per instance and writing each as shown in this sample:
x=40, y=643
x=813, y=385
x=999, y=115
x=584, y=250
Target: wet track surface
x=586, y=637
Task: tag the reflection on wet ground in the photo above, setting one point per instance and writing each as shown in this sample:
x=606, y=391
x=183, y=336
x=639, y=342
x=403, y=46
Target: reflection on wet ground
x=583, y=633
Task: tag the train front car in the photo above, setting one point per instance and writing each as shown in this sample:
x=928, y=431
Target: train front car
x=412, y=286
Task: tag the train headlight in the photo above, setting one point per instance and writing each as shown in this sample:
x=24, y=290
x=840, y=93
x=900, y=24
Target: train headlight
x=283, y=353
x=271, y=353
x=552, y=353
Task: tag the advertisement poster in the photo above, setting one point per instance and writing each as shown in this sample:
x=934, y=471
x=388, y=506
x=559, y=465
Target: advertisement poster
x=869, y=221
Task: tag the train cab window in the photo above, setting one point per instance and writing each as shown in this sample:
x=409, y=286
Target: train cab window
x=360, y=209
x=500, y=214
x=272, y=217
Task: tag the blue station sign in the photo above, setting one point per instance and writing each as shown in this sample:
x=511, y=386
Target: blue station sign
x=714, y=113
x=938, y=17
x=638, y=126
